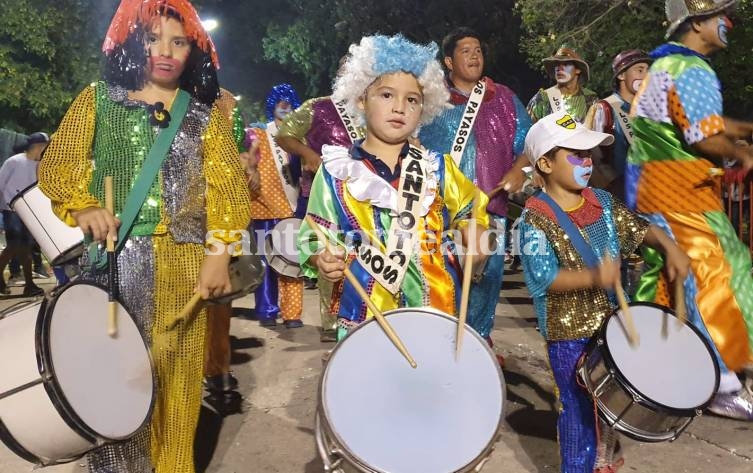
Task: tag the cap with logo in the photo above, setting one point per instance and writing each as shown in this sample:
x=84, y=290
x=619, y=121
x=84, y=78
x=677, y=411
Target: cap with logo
x=561, y=130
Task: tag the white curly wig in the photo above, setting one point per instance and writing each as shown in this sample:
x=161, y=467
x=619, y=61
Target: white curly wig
x=378, y=55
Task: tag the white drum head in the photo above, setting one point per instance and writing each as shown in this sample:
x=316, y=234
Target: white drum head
x=284, y=237
x=676, y=371
x=106, y=381
x=437, y=418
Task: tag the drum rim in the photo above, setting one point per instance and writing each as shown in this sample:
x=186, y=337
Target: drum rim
x=268, y=246
x=635, y=392
x=14, y=446
x=23, y=191
x=53, y=388
x=353, y=458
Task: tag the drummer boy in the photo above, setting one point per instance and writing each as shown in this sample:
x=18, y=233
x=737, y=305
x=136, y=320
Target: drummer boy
x=572, y=238
x=391, y=203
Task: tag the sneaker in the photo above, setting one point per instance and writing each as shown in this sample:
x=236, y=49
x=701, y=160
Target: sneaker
x=221, y=383
x=297, y=323
x=271, y=323
x=737, y=405
x=32, y=290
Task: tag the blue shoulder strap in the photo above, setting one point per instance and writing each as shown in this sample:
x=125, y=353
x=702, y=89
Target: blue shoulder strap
x=579, y=243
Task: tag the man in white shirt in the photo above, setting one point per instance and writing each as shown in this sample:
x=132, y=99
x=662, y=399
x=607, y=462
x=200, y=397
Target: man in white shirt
x=16, y=174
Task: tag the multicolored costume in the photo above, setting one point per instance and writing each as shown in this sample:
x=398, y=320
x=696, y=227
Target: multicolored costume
x=680, y=105
x=575, y=105
x=348, y=197
x=317, y=123
x=568, y=319
x=496, y=140
x=273, y=204
x=200, y=189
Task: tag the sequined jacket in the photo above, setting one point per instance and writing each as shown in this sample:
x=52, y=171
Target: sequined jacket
x=200, y=187
x=608, y=226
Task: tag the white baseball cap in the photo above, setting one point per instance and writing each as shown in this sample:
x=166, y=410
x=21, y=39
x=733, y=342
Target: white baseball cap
x=561, y=130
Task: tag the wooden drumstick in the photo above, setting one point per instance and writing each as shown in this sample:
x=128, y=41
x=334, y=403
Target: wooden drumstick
x=112, y=307
x=680, y=309
x=186, y=313
x=467, y=274
x=386, y=327
x=627, y=316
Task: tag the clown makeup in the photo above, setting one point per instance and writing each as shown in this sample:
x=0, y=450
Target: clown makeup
x=564, y=73
x=282, y=110
x=582, y=168
x=168, y=49
x=725, y=24
x=637, y=85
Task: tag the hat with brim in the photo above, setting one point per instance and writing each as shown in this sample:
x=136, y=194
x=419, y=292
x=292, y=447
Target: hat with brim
x=678, y=11
x=563, y=55
x=560, y=130
x=627, y=59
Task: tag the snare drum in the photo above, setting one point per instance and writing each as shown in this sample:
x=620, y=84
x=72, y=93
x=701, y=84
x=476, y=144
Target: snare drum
x=59, y=242
x=377, y=414
x=281, y=248
x=66, y=386
x=652, y=391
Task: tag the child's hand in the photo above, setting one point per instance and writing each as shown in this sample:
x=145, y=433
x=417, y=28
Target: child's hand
x=607, y=274
x=97, y=222
x=331, y=266
x=678, y=264
x=214, y=279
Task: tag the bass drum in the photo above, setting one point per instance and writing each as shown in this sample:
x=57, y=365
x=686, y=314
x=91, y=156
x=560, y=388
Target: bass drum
x=378, y=415
x=67, y=387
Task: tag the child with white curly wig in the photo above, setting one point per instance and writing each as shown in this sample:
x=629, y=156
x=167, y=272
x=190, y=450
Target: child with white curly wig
x=390, y=203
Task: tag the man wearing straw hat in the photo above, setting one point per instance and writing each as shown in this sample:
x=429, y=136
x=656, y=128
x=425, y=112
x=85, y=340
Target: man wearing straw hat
x=612, y=115
x=673, y=178
x=569, y=94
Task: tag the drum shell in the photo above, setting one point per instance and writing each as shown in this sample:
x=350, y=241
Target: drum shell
x=40, y=422
x=280, y=264
x=26, y=413
x=623, y=406
x=331, y=444
x=59, y=242
x=284, y=258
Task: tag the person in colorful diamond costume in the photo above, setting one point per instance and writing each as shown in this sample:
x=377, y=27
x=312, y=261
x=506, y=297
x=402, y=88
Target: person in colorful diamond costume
x=154, y=50
x=277, y=199
x=570, y=295
x=492, y=157
x=393, y=85
x=673, y=179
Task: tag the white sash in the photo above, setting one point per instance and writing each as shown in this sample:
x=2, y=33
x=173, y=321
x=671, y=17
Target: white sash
x=389, y=270
x=350, y=125
x=620, y=116
x=465, y=126
x=555, y=99
x=282, y=163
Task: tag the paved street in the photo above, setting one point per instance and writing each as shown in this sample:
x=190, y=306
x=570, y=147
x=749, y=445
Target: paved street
x=279, y=372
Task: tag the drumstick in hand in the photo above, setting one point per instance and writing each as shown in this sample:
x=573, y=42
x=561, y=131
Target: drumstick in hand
x=680, y=310
x=386, y=327
x=627, y=316
x=467, y=273
x=112, y=307
x=187, y=312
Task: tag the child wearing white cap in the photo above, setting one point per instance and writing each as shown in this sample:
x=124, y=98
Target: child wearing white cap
x=572, y=237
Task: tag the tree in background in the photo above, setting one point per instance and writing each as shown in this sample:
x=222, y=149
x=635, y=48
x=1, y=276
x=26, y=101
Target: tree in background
x=48, y=52
x=600, y=29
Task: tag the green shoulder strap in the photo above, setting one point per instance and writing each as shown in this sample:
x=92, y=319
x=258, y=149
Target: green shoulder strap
x=149, y=172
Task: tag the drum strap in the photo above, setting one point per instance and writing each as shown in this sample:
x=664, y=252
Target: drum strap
x=584, y=249
x=149, y=172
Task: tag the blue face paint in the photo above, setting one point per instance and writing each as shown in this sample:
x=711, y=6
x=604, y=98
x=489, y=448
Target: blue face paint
x=724, y=25
x=581, y=173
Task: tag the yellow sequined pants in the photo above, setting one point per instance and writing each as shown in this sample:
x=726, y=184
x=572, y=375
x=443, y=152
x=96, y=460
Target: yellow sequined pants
x=178, y=356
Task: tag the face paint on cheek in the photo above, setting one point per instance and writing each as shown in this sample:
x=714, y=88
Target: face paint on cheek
x=724, y=26
x=581, y=173
x=637, y=85
x=281, y=112
x=565, y=73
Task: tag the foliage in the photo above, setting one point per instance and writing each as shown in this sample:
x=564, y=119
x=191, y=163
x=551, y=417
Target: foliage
x=47, y=54
x=600, y=29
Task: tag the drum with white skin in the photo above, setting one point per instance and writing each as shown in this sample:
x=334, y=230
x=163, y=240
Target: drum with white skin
x=377, y=414
x=66, y=386
x=281, y=248
x=653, y=390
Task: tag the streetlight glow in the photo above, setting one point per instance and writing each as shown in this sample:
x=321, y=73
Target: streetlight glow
x=210, y=24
